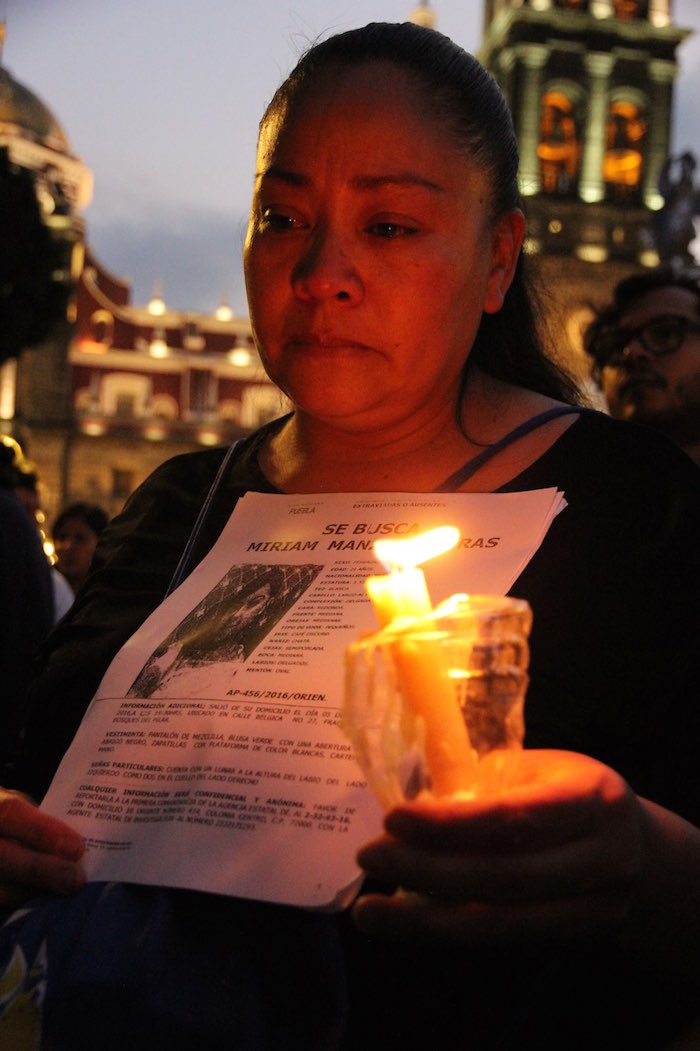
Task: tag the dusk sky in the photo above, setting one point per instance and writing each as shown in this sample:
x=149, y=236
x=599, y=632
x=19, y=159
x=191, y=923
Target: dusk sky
x=161, y=100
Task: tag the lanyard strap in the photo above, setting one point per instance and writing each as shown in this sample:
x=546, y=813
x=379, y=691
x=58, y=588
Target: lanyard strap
x=465, y=472
x=183, y=566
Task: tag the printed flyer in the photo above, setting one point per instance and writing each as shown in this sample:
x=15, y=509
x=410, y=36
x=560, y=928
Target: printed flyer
x=211, y=757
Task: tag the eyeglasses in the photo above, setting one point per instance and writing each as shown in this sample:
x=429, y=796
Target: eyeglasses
x=659, y=336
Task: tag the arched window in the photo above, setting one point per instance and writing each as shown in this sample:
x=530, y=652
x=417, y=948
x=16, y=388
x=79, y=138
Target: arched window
x=625, y=132
x=164, y=407
x=102, y=327
x=559, y=149
x=627, y=9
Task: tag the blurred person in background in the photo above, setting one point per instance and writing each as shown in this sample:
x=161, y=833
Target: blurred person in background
x=27, y=489
x=645, y=347
x=75, y=535
x=26, y=596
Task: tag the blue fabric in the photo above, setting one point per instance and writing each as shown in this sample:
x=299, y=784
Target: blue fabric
x=120, y=967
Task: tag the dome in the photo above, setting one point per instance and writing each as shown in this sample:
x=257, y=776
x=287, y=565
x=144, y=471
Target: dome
x=21, y=108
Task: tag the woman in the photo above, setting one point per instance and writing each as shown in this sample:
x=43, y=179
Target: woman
x=388, y=301
x=75, y=535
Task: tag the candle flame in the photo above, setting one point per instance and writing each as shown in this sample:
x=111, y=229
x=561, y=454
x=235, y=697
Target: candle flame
x=406, y=554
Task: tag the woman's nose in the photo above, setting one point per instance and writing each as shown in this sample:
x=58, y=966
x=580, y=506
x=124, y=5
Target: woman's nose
x=325, y=271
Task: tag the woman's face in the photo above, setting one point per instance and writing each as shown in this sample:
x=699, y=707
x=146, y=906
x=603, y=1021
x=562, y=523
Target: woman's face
x=370, y=255
x=75, y=545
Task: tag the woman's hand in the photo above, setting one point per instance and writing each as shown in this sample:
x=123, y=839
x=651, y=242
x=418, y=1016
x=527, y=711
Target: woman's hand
x=557, y=856
x=38, y=853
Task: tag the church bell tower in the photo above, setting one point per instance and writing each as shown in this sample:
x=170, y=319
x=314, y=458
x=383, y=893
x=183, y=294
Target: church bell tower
x=590, y=85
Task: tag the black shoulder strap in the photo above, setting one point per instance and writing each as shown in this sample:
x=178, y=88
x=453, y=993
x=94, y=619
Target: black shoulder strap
x=183, y=566
x=465, y=472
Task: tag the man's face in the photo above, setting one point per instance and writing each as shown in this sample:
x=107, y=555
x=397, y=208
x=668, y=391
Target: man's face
x=659, y=389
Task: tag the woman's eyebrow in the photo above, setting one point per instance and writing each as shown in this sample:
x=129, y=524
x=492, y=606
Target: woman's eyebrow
x=409, y=178
x=291, y=178
x=361, y=182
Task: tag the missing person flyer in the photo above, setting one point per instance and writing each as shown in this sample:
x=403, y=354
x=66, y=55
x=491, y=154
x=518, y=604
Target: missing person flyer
x=210, y=757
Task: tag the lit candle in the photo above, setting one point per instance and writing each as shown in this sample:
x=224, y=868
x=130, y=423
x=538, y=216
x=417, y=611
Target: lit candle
x=402, y=592
x=402, y=604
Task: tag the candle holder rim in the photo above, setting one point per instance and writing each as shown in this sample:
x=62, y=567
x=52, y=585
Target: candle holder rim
x=477, y=610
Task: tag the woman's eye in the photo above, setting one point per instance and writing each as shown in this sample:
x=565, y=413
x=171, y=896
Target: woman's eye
x=391, y=230
x=278, y=221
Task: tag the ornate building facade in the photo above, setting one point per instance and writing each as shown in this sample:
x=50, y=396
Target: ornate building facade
x=590, y=85
x=115, y=389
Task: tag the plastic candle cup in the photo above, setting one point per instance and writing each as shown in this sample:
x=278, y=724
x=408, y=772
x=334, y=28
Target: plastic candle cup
x=434, y=700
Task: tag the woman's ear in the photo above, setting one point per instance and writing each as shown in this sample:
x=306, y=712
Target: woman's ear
x=507, y=240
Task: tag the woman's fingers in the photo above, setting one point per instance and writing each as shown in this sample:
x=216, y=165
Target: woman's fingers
x=410, y=917
x=37, y=852
x=558, y=797
x=575, y=868
x=20, y=819
x=23, y=872
x=567, y=837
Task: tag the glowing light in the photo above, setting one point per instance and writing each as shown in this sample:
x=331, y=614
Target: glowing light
x=89, y=346
x=207, y=438
x=592, y=194
x=156, y=305
x=592, y=253
x=403, y=592
x=649, y=258
x=93, y=428
x=158, y=348
x=8, y=382
x=413, y=551
x=240, y=357
x=155, y=433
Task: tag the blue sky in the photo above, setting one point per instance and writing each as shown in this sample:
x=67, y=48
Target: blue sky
x=161, y=100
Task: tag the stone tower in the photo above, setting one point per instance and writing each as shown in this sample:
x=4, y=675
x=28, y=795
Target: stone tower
x=590, y=86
